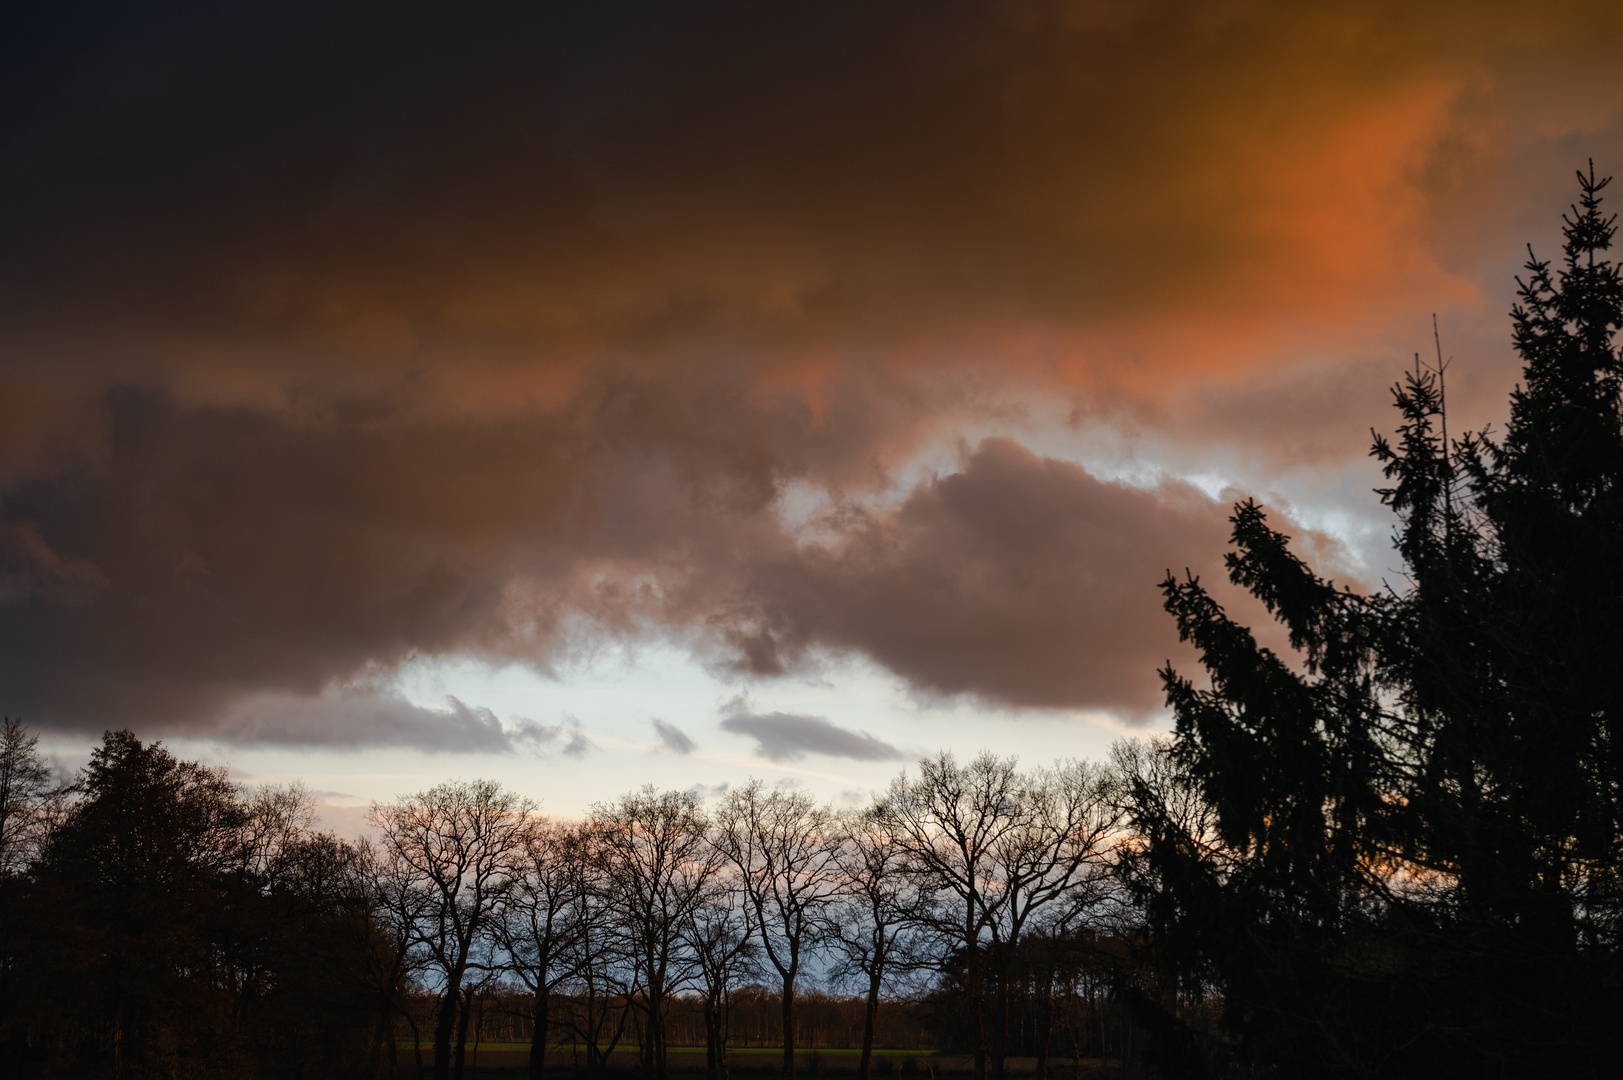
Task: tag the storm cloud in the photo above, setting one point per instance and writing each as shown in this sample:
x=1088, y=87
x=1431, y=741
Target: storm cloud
x=215, y=554
x=299, y=197
x=334, y=337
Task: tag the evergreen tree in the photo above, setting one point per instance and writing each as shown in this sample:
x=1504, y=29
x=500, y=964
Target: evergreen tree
x=1414, y=865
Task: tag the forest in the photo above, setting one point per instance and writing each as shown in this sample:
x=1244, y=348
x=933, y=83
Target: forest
x=1394, y=850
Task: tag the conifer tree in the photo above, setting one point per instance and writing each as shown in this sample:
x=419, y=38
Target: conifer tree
x=1418, y=830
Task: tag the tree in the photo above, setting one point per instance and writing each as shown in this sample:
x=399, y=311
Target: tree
x=24, y=795
x=128, y=890
x=881, y=903
x=721, y=933
x=1048, y=871
x=604, y=966
x=657, y=865
x=25, y=780
x=398, y=906
x=1416, y=821
x=1006, y=847
x=948, y=821
x=458, y=847
x=784, y=847
x=541, y=922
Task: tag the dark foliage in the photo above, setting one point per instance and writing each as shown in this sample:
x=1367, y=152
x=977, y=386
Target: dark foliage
x=1408, y=858
x=173, y=926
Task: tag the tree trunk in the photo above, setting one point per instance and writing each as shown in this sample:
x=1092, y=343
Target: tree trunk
x=416, y=1041
x=1045, y=1025
x=593, y=1030
x=382, y=1039
x=977, y=995
x=1000, y=1018
x=660, y=1065
x=1075, y=1021
x=118, y=1040
x=710, y=1037
x=724, y=1025
x=462, y=1035
x=645, y=1039
x=789, y=1027
x=443, y=1026
x=870, y=1015
x=977, y=1003
x=538, y=1035
x=1104, y=1046
x=654, y=1037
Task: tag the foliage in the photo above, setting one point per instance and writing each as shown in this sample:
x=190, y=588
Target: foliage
x=176, y=925
x=1409, y=853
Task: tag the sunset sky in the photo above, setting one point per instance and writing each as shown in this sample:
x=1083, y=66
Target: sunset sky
x=584, y=395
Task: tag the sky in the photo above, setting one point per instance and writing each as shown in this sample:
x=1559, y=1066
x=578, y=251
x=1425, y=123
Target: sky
x=603, y=394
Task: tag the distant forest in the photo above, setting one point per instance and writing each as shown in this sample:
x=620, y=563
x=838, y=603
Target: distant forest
x=1393, y=852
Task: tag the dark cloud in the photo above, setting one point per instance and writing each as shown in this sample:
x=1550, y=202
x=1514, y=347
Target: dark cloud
x=1018, y=579
x=219, y=554
x=368, y=718
x=202, y=554
x=333, y=336
x=276, y=193
x=673, y=738
x=787, y=737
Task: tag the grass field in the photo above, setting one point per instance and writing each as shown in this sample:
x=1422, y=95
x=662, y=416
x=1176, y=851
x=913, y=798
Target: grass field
x=507, y=1061
x=732, y=1051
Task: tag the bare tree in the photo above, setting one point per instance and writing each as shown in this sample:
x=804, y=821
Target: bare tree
x=542, y=921
x=881, y=901
x=604, y=970
x=385, y=917
x=657, y=864
x=458, y=847
x=25, y=783
x=1048, y=866
x=948, y=821
x=721, y=933
x=784, y=846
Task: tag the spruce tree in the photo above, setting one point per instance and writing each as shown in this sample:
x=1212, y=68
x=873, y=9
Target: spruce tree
x=1418, y=832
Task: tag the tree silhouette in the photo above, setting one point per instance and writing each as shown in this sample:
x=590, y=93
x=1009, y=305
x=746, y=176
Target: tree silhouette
x=1417, y=827
x=459, y=847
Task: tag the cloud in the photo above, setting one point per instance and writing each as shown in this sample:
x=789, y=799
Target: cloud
x=567, y=738
x=1018, y=579
x=478, y=202
x=673, y=738
x=366, y=718
x=248, y=555
x=327, y=349
x=787, y=737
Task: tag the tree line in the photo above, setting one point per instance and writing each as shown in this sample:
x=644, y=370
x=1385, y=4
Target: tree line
x=161, y=920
